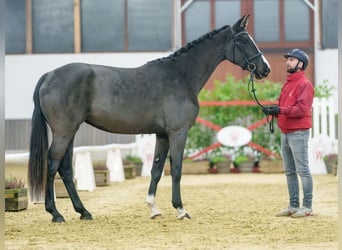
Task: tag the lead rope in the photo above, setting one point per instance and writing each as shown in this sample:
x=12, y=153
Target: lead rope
x=251, y=68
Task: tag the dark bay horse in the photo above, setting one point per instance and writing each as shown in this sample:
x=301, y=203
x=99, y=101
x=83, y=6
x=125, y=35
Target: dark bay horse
x=159, y=97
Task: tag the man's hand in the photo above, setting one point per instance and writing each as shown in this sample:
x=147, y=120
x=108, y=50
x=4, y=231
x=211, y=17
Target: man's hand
x=271, y=110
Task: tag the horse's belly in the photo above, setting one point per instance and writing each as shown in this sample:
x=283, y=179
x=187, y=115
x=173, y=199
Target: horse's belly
x=126, y=125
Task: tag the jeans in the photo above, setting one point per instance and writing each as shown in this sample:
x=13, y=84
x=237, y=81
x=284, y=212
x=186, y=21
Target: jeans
x=294, y=147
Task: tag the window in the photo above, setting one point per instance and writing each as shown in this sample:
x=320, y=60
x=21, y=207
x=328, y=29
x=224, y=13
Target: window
x=329, y=24
x=266, y=26
x=226, y=12
x=103, y=25
x=15, y=33
x=203, y=16
x=197, y=20
x=52, y=26
x=68, y=26
x=297, y=21
x=126, y=25
x=282, y=24
x=149, y=25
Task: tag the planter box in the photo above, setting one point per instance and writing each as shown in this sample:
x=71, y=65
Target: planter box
x=102, y=177
x=223, y=167
x=246, y=167
x=129, y=171
x=138, y=168
x=60, y=190
x=334, y=172
x=194, y=167
x=16, y=199
x=271, y=166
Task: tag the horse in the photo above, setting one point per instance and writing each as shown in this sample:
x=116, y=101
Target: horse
x=159, y=97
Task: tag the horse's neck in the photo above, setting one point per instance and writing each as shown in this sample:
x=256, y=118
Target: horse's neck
x=197, y=64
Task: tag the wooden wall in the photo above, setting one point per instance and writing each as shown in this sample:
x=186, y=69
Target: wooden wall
x=17, y=136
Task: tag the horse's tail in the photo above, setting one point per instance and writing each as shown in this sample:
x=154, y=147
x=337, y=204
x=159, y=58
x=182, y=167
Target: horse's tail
x=37, y=168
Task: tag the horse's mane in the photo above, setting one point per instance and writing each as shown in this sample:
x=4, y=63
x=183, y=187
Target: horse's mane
x=190, y=45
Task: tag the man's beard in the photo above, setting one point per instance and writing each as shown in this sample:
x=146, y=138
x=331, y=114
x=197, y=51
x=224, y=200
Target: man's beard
x=293, y=70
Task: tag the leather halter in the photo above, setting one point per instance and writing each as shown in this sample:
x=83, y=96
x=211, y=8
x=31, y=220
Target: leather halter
x=250, y=66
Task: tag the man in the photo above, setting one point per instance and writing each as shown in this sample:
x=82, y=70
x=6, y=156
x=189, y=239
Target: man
x=295, y=120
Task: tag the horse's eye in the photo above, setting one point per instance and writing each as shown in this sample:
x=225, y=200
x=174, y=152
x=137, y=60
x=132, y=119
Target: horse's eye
x=244, y=40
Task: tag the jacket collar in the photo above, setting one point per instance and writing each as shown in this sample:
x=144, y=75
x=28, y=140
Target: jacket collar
x=295, y=76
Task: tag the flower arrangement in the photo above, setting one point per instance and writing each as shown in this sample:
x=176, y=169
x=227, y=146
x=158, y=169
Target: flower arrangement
x=330, y=157
x=14, y=183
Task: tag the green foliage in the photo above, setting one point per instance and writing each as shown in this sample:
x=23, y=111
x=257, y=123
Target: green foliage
x=218, y=158
x=324, y=90
x=134, y=159
x=241, y=159
x=200, y=136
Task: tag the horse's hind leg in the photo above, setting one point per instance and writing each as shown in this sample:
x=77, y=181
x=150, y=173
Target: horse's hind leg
x=55, y=154
x=66, y=172
x=160, y=153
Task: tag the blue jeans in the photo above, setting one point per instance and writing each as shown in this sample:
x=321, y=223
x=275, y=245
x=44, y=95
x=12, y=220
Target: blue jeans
x=294, y=147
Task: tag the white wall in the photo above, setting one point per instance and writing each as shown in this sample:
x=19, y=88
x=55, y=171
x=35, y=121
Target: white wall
x=23, y=71
x=326, y=68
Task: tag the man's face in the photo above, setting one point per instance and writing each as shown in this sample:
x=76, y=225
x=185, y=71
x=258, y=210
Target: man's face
x=291, y=64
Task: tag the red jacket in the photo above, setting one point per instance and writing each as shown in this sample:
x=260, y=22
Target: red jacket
x=295, y=103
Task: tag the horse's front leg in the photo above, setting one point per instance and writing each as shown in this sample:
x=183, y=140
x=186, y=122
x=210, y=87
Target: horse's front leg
x=160, y=153
x=177, y=145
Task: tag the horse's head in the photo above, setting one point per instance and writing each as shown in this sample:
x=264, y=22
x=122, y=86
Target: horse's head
x=243, y=51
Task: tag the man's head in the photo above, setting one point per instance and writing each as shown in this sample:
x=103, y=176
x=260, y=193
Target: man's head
x=297, y=59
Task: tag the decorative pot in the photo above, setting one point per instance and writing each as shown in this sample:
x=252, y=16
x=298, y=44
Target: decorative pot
x=271, y=166
x=16, y=199
x=246, y=167
x=102, y=177
x=138, y=168
x=223, y=167
x=129, y=171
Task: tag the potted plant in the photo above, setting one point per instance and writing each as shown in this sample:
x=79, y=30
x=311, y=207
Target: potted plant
x=129, y=169
x=330, y=160
x=243, y=161
x=221, y=163
x=198, y=166
x=137, y=161
x=15, y=194
x=101, y=174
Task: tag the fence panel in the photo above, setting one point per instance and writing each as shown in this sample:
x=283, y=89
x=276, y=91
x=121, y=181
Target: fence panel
x=324, y=118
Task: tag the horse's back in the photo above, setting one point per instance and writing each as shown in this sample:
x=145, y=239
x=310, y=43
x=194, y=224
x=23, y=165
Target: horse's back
x=121, y=100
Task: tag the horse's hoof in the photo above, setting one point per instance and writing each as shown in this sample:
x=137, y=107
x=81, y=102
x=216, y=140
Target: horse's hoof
x=86, y=217
x=58, y=219
x=184, y=216
x=155, y=216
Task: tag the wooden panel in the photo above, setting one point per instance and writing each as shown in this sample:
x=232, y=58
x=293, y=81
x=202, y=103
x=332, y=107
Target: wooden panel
x=18, y=132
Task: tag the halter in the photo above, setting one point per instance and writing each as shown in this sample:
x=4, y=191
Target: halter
x=251, y=92
x=251, y=67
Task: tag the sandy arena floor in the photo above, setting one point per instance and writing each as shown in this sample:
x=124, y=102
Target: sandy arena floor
x=232, y=211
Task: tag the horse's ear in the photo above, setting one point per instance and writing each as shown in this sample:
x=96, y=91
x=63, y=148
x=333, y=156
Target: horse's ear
x=242, y=23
